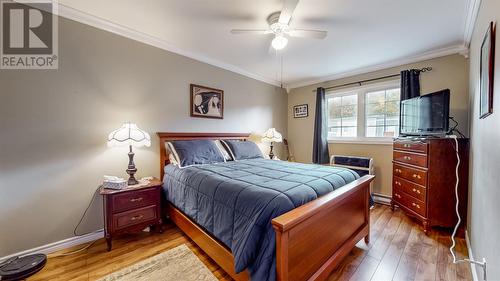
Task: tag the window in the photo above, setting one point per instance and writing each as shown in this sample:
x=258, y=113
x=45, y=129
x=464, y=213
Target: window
x=382, y=113
x=370, y=112
x=343, y=116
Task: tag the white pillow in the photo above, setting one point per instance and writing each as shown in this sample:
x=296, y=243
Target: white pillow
x=223, y=150
x=173, y=157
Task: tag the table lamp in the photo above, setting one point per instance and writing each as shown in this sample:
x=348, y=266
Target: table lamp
x=129, y=134
x=271, y=136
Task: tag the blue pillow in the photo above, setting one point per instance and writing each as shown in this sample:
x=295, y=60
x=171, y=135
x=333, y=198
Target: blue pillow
x=192, y=152
x=243, y=149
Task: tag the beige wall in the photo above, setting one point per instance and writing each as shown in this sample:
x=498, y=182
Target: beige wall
x=54, y=126
x=484, y=190
x=448, y=72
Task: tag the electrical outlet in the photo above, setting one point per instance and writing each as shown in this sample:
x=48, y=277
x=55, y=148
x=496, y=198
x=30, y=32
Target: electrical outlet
x=484, y=269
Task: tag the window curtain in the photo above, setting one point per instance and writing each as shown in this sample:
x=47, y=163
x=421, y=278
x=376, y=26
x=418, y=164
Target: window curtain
x=410, y=84
x=320, y=143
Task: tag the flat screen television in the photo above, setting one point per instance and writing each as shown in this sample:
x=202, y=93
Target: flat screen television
x=425, y=115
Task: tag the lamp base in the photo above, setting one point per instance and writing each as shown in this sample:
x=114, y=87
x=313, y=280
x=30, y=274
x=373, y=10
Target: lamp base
x=271, y=154
x=132, y=180
x=131, y=168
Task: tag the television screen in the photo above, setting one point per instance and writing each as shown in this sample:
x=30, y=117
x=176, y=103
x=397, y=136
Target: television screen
x=426, y=115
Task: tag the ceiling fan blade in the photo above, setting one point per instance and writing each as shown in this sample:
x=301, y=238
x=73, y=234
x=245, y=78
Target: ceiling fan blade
x=287, y=11
x=251, y=31
x=308, y=33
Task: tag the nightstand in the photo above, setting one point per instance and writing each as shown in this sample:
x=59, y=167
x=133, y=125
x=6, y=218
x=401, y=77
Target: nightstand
x=131, y=209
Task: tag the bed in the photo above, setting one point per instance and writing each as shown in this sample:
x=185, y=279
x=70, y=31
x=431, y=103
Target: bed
x=264, y=218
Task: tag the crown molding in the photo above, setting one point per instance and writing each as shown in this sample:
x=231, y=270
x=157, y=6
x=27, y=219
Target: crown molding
x=472, y=10
x=455, y=49
x=103, y=24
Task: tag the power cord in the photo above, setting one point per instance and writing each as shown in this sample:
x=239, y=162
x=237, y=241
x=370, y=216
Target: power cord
x=76, y=228
x=453, y=244
x=455, y=128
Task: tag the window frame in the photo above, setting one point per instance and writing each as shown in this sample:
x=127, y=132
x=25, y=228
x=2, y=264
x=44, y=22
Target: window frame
x=361, y=92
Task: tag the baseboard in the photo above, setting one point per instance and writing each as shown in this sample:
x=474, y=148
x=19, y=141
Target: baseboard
x=60, y=245
x=381, y=198
x=471, y=257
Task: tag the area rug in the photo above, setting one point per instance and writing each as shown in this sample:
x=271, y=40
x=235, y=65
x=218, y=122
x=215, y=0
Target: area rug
x=175, y=264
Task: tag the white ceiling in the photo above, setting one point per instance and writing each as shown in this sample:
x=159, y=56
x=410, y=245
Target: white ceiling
x=362, y=34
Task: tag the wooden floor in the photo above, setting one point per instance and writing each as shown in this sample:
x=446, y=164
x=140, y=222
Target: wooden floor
x=398, y=250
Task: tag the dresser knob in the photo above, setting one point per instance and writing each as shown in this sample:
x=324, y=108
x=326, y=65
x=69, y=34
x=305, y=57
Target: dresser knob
x=406, y=145
x=136, y=199
x=397, y=195
x=398, y=183
x=407, y=158
x=415, y=205
x=414, y=175
x=416, y=190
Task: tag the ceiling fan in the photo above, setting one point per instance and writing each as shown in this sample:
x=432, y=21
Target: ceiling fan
x=279, y=25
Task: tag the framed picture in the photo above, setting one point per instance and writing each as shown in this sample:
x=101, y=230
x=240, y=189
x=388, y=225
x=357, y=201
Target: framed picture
x=300, y=111
x=487, y=72
x=206, y=102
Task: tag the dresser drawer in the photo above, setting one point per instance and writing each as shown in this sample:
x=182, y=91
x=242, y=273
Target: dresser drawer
x=125, y=219
x=412, y=189
x=410, y=158
x=132, y=200
x=411, y=174
x=415, y=146
x=409, y=202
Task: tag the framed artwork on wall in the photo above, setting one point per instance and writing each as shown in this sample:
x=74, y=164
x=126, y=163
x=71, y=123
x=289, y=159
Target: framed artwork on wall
x=486, y=72
x=206, y=102
x=300, y=111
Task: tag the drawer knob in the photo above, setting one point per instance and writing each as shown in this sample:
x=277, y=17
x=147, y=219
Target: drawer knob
x=407, y=145
x=398, y=183
x=417, y=176
x=415, y=205
x=416, y=190
x=397, y=195
x=136, y=199
x=398, y=171
x=407, y=158
x=136, y=217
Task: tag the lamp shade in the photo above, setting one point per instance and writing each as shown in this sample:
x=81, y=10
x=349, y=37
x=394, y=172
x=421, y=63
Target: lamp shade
x=272, y=135
x=129, y=134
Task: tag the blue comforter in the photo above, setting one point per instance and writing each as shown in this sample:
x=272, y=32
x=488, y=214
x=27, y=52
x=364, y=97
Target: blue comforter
x=236, y=201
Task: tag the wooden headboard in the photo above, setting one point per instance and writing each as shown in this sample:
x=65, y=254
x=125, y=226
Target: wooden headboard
x=165, y=136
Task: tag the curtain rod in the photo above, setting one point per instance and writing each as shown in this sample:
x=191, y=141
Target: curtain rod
x=359, y=83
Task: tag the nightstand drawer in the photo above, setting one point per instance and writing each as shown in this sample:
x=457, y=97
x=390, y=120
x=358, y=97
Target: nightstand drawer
x=132, y=200
x=410, y=158
x=409, y=188
x=133, y=217
x=407, y=201
x=411, y=174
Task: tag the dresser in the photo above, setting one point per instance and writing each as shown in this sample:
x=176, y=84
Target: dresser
x=132, y=209
x=423, y=182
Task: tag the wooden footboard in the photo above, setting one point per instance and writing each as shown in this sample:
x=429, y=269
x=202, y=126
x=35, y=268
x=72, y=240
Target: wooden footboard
x=312, y=239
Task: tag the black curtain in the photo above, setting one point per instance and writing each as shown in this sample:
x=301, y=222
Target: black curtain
x=410, y=84
x=320, y=144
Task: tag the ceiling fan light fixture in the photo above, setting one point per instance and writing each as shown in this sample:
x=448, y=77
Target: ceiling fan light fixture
x=279, y=42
